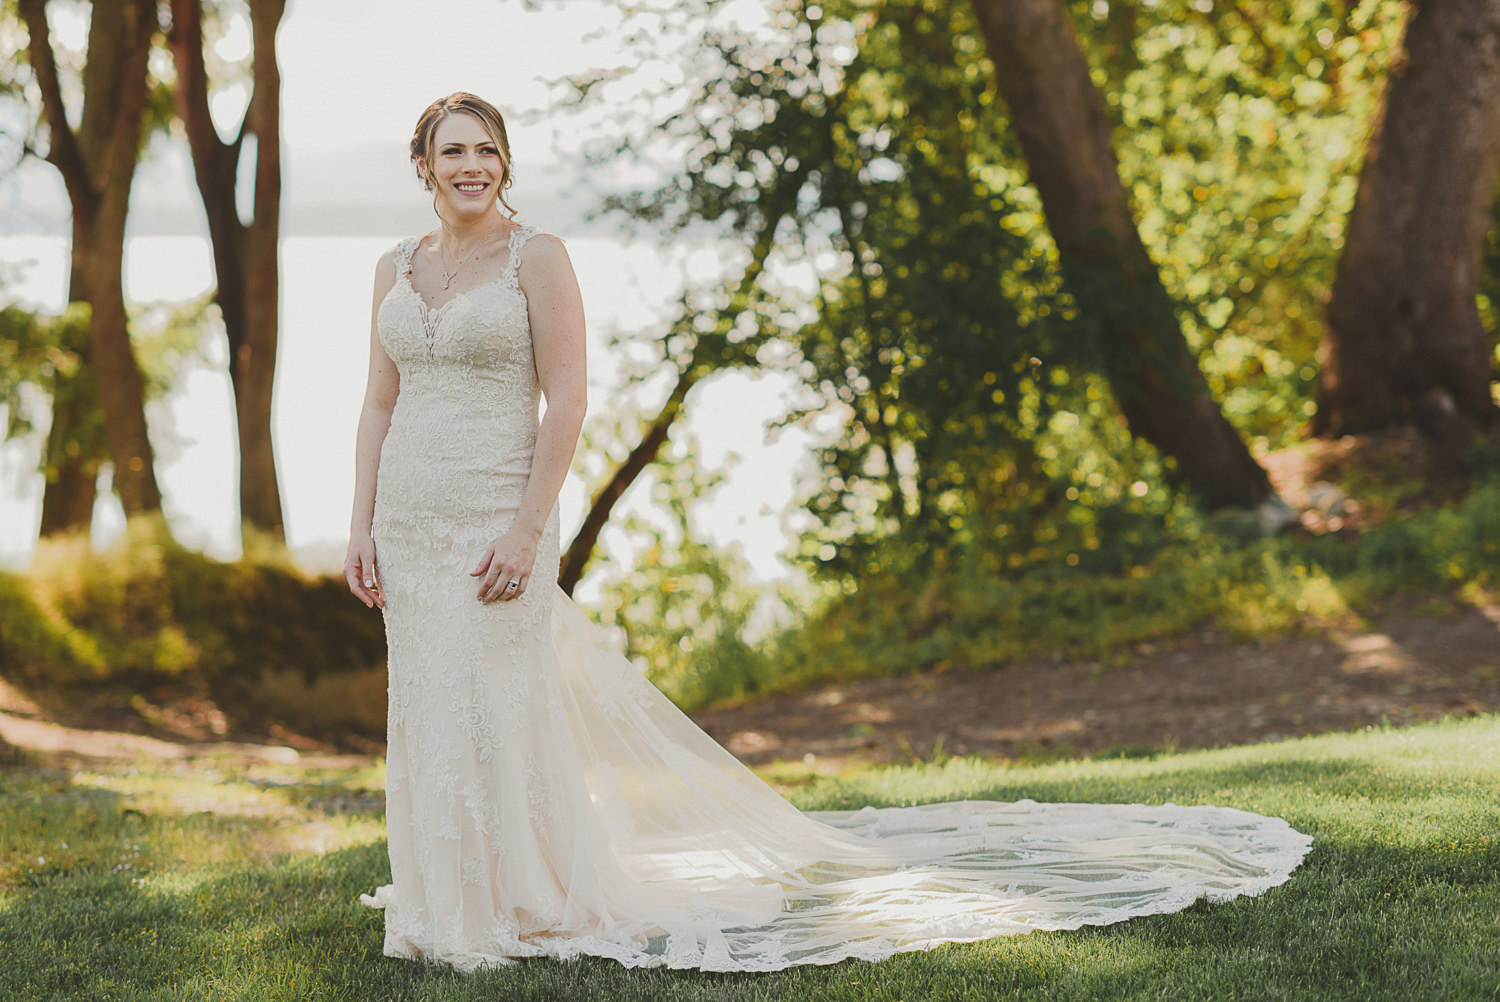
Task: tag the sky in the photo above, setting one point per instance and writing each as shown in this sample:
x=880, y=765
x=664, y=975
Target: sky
x=356, y=75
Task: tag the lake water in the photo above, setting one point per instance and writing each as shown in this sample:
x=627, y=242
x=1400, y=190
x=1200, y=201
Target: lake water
x=320, y=382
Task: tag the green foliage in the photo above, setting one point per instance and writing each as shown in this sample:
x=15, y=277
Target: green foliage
x=913, y=347
x=973, y=424
x=37, y=351
x=894, y=623
x=41, y=365
x=147, y=612
x=897, y=620
x=220, y=880
x=37, y=642
x=1239, y=134
x=110, y=611
x=1489, y=281
x=170, y=339
x=684, y=606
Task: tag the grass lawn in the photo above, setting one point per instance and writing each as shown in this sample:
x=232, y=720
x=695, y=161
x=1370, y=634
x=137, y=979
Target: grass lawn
x=222, y=881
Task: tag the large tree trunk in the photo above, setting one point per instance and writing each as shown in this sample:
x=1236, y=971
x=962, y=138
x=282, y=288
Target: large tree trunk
x=97, y=279
x=1403, y=342
x=245, y=254
x=1064, y=133
x=74, y=448
x=98, y=164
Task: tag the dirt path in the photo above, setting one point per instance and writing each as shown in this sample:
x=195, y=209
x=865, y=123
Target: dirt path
x=1201, y=691
x=27, y=728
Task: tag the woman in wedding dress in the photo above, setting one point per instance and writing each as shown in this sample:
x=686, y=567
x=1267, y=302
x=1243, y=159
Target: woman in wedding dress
x=543, y=798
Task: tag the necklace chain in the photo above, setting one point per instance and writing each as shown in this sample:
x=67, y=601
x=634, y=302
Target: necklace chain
x=442, y=251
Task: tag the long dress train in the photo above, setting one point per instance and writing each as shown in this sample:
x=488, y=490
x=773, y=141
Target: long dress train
x=543, y=798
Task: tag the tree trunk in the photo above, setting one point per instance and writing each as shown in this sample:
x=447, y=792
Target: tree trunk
x=1403, y=342
x=1064, y=133
x=74, y=448
x=98, y=164
x=97, y=279
x=246, y=262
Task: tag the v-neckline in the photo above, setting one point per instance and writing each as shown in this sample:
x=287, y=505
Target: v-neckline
x=429, y=312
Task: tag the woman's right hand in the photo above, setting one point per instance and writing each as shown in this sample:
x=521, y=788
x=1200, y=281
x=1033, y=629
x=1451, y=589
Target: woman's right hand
x=361, y=573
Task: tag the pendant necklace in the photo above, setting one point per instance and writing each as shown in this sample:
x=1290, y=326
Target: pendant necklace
x=447, y=277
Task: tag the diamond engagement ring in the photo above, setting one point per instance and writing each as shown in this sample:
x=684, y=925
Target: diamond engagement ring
x=511, y=585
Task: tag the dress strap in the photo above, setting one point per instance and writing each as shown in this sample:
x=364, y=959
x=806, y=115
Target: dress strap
x=518, y=237
x=404, y=250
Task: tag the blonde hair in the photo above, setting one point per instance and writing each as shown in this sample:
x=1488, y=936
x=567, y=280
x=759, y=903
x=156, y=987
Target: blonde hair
x=423, y=139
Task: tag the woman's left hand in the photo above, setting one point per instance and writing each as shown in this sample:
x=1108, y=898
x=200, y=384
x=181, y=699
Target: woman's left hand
x=509, y=558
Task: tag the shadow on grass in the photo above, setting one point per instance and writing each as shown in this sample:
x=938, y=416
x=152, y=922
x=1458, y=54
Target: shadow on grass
x=1156, y=781
x=1397, y=900
x=1358, y=920
x=1348, y=776
x=43, y=812
x=292, y=929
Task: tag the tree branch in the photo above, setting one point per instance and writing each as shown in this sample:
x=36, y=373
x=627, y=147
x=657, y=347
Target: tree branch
x=581, y=549
x=62, y=145
x=119, y=125
x=192, y=83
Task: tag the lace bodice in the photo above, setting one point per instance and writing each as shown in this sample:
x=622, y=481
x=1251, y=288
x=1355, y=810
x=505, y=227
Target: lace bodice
x=474, y=327
x=469, y=392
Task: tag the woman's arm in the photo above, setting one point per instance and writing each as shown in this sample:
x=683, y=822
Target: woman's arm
x=381, y=390
x=555, y=308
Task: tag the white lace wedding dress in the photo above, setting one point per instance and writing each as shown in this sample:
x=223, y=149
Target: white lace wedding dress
x=543, y=798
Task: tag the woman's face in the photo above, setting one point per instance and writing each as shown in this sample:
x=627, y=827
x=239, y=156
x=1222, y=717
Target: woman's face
x=466, y=171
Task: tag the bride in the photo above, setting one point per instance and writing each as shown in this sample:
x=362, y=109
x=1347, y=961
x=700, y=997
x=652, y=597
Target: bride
x=543, y=798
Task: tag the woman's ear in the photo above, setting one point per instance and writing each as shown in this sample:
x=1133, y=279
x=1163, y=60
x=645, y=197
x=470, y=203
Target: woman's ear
x=422, y=170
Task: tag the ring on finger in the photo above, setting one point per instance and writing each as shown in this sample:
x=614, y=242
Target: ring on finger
x=512, y=584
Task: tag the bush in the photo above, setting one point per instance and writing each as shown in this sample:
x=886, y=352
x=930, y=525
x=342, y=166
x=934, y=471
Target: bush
x=893, y=623
x=259, y=636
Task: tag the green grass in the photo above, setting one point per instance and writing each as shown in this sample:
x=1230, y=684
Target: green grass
x=240, y=883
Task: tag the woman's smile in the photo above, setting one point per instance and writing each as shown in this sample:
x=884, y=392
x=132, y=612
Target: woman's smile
x=467, y=166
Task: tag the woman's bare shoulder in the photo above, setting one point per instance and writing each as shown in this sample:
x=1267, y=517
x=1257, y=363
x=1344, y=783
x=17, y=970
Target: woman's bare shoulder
x=544, y=252
x=394, y=254
x=385, y=267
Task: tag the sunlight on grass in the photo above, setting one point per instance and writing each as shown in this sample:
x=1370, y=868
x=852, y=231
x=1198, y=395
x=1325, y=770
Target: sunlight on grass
x=170, y=882
x=133, y=820
x=1422, y=782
